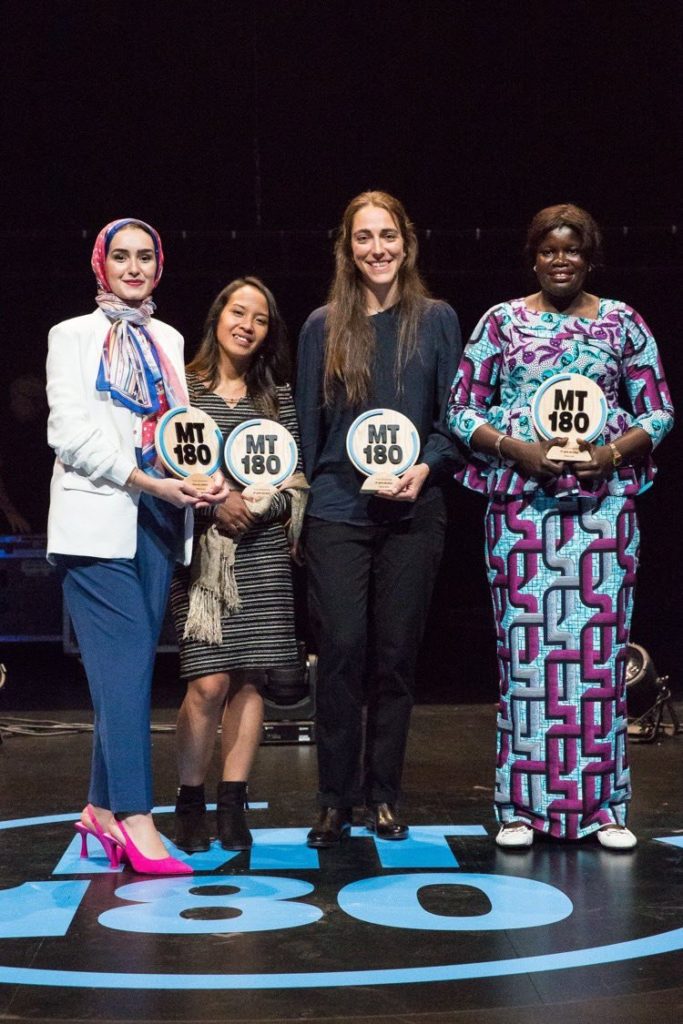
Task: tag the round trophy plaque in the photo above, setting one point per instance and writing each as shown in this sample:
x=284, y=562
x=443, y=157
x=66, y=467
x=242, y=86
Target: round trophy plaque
x=260, y=454
x=189, y=444
x=382, y=444
x=572, y=406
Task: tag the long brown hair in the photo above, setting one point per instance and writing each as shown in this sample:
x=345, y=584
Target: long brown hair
x=349, y=337
x=270, y=366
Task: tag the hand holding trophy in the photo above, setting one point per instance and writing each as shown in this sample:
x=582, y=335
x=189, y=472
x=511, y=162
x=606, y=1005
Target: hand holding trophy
x=382, y=444
x=571, y=406
x=189, y=444
x=262, y=455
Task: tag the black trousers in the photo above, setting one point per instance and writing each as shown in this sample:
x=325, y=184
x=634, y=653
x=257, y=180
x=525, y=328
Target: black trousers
x=370, y=589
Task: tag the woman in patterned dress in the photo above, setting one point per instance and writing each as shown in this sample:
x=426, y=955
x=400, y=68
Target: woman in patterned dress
x=238, y=373
x=562, y=538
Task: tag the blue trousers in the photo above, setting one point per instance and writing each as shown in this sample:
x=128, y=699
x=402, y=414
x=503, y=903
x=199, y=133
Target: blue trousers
x=117, y=608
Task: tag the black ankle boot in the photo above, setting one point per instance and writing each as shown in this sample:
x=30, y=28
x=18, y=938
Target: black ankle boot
x=233, y=833
x=191, y=826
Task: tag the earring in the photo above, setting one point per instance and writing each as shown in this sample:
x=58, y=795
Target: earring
x=534, y=268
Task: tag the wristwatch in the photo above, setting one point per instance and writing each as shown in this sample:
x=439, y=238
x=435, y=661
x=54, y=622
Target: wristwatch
x=617, y=457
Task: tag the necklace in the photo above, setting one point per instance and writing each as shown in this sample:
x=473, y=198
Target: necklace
x=231, y=400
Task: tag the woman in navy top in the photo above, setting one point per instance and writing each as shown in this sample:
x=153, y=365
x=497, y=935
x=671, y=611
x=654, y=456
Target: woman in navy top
x=381, y=341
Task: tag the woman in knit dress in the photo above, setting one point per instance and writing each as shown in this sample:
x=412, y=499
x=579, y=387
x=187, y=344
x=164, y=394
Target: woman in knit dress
x=561, y=538
x=238, y=373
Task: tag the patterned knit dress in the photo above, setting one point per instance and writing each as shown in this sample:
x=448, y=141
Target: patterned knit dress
x=261, y=634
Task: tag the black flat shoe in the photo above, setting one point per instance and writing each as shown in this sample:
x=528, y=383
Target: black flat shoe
x=381, y=819
x=332, y=824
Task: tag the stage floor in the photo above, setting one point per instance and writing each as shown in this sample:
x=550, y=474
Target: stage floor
x=444, y=927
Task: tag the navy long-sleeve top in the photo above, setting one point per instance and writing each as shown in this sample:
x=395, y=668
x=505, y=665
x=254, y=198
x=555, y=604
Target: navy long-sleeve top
x=422, y=397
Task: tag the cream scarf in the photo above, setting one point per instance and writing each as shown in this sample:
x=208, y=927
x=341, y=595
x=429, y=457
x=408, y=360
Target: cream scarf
x=213, y=587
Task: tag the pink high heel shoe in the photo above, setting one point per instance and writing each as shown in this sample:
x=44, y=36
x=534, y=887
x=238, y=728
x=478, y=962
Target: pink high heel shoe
x=145, y=865
x=94, y=829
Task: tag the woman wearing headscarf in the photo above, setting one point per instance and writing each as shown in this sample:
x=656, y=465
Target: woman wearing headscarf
x=381, y=341
x=117, y=523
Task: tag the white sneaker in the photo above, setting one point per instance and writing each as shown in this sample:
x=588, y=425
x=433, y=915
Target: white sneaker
x=515, y=835
x=616, y=837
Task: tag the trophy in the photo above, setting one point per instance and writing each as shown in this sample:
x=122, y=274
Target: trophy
x=261, y=454
x=382, y=444
x=572, y=406
x=189, y=444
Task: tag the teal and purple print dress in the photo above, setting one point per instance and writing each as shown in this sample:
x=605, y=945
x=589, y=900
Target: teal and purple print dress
x=561, y=560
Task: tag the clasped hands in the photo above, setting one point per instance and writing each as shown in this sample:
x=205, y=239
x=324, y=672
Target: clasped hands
x=233, y=515
x=532, y=459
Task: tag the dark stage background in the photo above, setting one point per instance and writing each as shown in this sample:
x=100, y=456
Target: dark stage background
x=240, y=130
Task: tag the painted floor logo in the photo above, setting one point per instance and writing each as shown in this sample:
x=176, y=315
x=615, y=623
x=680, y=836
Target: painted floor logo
x=364, y=921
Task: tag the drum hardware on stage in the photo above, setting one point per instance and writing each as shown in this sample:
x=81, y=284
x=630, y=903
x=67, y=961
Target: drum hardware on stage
x=382, y=444
x=289, y=702
x=647, y=697
x=30, y=591
x=571, y=406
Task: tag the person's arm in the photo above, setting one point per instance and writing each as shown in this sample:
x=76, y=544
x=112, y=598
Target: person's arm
x=476, y=381
x=80, y=444
x=178, y=492
x=530, y=457
x=77, y=441
x=648, y=391
x=308, y=391
x=473, y=391
x=439, y=454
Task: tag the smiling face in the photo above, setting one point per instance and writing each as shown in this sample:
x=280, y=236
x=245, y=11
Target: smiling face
x=131, y=265
x=561, y=267
x=242, y=327
x=378, y=250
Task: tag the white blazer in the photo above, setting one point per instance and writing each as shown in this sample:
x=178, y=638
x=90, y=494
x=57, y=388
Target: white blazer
x=91, y=512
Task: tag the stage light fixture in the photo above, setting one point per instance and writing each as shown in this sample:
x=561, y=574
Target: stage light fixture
x=289, y=702
x=647, y=698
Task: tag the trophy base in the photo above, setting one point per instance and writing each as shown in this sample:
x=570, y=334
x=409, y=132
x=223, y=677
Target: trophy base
x=254, y=492
x=259, y=495
x=570, y=453
x=379, y=482
x=200, y=481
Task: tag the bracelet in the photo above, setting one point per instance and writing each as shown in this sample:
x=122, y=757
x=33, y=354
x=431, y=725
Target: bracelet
x=499, y=441
x=617, y=457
